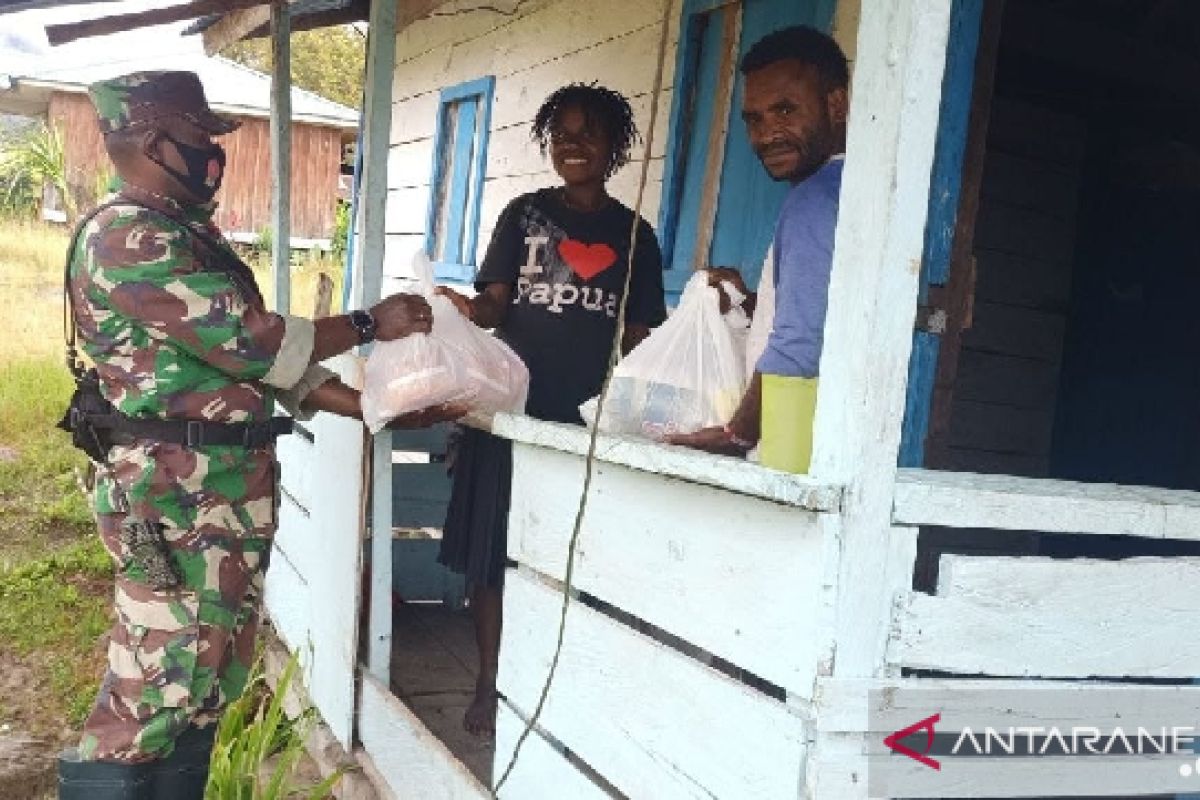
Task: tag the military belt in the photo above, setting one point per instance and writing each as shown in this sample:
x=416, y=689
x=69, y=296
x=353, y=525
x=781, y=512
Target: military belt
x=193, y=433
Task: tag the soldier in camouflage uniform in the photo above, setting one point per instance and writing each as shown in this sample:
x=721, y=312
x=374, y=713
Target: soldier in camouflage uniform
x=178, y=330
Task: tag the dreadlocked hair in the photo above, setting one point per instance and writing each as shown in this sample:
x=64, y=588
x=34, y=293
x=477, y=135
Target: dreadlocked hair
x=601, y=106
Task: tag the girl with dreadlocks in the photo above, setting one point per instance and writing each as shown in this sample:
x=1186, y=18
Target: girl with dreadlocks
x=550, y=284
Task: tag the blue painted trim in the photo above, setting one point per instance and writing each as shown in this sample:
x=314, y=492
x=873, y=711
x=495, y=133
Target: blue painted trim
x=685, y=62
x=464, y=151
x=351, y=234
x=958, y=85
x=448, y=271
x=922, y=369
x=470, y=167
x=487, y=91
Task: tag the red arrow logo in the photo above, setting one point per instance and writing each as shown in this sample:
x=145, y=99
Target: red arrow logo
x=926, y=724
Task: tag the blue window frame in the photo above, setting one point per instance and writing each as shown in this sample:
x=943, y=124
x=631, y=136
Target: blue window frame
x=459, y=164
x=720, y=212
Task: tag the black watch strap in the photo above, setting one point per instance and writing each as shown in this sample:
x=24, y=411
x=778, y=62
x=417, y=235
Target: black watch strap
x=364, y=325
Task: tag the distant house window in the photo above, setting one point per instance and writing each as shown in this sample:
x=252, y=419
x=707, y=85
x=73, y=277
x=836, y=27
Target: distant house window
x=459, y=163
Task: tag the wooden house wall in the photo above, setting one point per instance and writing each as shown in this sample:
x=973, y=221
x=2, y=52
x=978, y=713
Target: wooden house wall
x=1004, y=402
x=543, y=45
x=245, y=196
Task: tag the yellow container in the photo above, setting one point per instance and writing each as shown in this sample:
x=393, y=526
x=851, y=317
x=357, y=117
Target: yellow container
x=788, y=405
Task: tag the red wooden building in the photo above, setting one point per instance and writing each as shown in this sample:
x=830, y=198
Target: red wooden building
x=321, y=130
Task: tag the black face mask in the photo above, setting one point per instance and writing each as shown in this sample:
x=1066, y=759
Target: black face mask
x=205, y=167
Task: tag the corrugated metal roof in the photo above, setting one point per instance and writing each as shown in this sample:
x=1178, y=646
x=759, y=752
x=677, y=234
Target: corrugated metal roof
x=231, y=88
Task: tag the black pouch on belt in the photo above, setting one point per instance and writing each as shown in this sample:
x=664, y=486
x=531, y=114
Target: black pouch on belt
x=148, y=551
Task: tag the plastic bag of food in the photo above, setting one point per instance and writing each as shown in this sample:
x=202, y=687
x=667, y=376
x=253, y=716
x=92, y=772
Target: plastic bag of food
x=456, y=363
x=686, y=375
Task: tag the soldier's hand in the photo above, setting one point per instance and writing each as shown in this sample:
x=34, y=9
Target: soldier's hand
x=428, y=416
x=401, y=315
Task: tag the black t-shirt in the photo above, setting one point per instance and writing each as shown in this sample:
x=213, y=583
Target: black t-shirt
x=567, y=269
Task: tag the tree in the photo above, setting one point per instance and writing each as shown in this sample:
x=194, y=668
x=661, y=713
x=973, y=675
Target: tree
x=326, y=61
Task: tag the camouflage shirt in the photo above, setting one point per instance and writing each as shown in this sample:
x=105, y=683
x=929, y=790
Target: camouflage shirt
x=174, y=336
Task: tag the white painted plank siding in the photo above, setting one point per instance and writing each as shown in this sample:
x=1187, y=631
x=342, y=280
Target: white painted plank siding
x=1061, y=618
x=968, y=500
x=413, y=762
x=541, y=773
x=312, y=588
x=743, y=580
x=653, y=722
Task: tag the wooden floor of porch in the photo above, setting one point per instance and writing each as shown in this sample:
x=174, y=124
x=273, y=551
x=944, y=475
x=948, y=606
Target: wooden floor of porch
x=434, y=664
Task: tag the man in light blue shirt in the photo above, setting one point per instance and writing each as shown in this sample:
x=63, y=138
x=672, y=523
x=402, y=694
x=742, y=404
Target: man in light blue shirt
x=795, y=105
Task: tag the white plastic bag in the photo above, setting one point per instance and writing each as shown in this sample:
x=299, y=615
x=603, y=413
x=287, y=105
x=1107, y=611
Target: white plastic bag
x=456, y=363
x=685, y=376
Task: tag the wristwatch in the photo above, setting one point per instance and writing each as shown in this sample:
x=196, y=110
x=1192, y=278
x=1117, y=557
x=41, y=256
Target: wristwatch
x=363, y=324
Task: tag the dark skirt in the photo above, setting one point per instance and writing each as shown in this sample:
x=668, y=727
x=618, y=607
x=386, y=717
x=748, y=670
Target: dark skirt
x=475, y=537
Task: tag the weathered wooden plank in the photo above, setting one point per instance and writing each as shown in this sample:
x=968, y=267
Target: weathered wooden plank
x=1036, y=132
x=281, y=155
x=692, y=562
x=1023, y=182
x=287, y=597
x=233, y=26
x=733, y=475
x=542, y=772
x=406, y=211
x=1007, y=380
x=297, y=459
x=1063, y=618
x=1016, y=331
x=960, y=500
x=894, y=111
x=988, y=462
x=1025, y=232
x=1001, y=428
x=101, y=26
x=1019, y=281
x=412, y=761
x=410, y=164
x=652, y=722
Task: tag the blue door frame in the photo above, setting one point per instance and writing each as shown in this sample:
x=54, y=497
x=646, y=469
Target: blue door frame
x=945, y=190
x=748, y=200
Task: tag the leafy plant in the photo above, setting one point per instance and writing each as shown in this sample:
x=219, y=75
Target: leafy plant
x=31, y=158
x=341, y=230
x=255, y=728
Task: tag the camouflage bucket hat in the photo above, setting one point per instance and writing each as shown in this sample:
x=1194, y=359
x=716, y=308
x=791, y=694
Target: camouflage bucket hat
x=144, y=97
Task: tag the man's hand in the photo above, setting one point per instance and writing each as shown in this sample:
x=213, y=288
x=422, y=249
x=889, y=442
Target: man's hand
x=401, y=315
x=428, y=416
x=719, y=275
x=711, y=440
x=461, y=301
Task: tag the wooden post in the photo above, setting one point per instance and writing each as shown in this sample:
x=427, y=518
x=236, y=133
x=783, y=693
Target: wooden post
x=868, y=337
x=281, y=154
x=366, y=290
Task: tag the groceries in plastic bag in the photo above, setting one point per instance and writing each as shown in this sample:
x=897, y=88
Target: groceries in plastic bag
x=457, y=363
x=687, y=375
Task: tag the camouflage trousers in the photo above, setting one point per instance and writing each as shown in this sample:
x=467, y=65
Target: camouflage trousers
x=176, y=657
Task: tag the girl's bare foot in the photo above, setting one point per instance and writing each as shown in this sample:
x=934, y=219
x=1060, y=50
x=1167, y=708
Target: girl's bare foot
x=480, y=719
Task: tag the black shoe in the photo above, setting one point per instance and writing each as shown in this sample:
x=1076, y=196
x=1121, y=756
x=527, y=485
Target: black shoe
x=184, y=774
x=101, y=780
